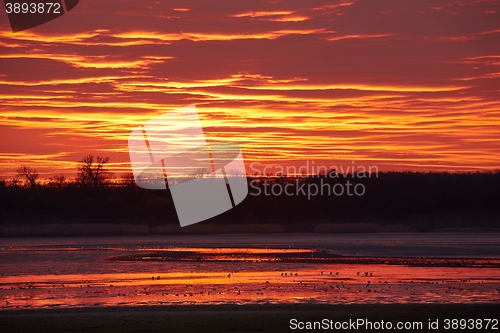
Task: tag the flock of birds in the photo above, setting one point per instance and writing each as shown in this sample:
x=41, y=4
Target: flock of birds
x=284, y=283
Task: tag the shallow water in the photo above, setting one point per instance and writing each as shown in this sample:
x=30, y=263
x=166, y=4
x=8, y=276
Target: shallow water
x=248, y=270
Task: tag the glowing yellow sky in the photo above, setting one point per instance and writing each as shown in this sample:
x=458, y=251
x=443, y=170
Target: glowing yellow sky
x=401, y=85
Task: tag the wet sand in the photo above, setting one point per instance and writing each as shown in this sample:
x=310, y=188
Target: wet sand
x=229, y=318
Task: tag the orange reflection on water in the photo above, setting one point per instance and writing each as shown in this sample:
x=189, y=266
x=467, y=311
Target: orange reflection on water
x=256, y=283
x=233, y=250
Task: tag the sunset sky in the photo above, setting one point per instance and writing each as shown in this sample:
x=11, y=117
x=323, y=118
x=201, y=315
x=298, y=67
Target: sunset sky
x=404, y=85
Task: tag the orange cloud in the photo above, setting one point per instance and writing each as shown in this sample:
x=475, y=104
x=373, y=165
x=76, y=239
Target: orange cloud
x=333, y=82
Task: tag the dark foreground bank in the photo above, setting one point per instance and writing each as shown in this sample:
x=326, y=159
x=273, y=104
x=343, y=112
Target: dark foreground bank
x=258, y=318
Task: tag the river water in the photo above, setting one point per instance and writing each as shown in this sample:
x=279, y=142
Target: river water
x=249, y=269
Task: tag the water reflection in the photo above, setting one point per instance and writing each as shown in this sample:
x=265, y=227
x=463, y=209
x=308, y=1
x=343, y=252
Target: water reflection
x=69, y=276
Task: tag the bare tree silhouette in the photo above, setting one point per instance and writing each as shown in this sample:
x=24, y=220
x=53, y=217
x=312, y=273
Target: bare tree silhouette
x=57, y=181
x=92, y=171
x=30, y=174
x=200, y=173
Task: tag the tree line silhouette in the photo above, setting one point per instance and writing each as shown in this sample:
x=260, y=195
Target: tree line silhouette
x=420, y=201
